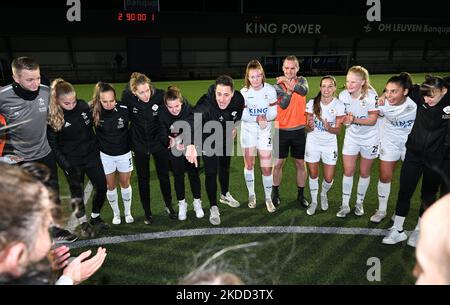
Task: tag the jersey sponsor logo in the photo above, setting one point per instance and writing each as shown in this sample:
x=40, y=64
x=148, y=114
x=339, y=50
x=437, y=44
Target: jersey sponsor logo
x=257, y=111
x=319, y=125
x=403, y=124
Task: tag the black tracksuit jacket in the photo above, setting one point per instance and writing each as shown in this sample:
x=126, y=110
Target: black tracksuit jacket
x=145, y=130
x=75, y=144
x=431, y=129
x=112, y=131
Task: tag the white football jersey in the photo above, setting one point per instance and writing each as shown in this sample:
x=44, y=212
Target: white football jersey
x=328, y=112
x=362, y=134
x=397, y=121
x=257, y=102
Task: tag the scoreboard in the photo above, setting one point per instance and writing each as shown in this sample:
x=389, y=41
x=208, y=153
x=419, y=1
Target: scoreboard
x=140, y=11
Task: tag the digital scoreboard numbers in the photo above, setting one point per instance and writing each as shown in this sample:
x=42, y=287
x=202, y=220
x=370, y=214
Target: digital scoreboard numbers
x=138, y=11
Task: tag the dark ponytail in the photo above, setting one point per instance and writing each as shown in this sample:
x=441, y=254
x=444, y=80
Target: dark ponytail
x=404, y=80
x=318, y=98
x=432, y=83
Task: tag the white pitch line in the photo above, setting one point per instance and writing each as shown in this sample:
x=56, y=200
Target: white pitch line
x=227, y=231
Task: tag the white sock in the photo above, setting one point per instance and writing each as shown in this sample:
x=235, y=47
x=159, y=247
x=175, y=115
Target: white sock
x=267, y=183
x=347, y=185
x=112, y=199
x=197, y=200
x=384, y=189
x=363, y=184
x=126, y=197
x=314, y=189
x=398, y=222
x=250, y=181
x=95, y=215
x=181, y=201
x=326, y=186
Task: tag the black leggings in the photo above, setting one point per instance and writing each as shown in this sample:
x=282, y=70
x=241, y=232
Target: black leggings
x=161, y=160
x=214, y=165
x=50, y=161
x=179, y=166
x=412, y=169
x=75, y=178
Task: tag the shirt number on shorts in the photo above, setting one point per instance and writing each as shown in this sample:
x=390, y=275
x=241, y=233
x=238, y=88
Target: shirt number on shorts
x=374, y=149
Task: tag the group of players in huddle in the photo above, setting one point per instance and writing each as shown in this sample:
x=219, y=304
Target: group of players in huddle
x=100, y=139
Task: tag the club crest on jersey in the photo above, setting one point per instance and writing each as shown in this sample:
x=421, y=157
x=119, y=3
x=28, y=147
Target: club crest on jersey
x=233, y=114
x=363, y=103
x=41, y=101
x=447, y=110
x=155, y=110
x=67, y=125
x=332, y=111
x=120, y=123
x=135, y=110
x=221, y=118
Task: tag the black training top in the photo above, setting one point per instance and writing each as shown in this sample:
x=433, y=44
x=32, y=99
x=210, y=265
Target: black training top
x=209, y=110
x=167, y=120
x=145, y=128
x=75, y=144
x=112, y=131
x=431, y=127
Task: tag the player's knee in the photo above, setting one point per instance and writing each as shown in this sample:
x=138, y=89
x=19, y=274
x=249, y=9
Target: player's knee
x=385, y=178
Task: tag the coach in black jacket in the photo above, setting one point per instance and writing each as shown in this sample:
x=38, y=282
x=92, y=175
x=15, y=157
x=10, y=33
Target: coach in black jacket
x=223, y=106
x=144, y=103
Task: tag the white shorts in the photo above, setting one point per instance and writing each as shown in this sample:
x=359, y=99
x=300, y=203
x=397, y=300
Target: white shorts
x=392, y=150
x=328, y=153
x=254, y=136
x=352, y=148
x=122, y=163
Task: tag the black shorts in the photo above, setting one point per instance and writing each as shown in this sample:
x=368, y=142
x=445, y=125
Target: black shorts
x=293, y=139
